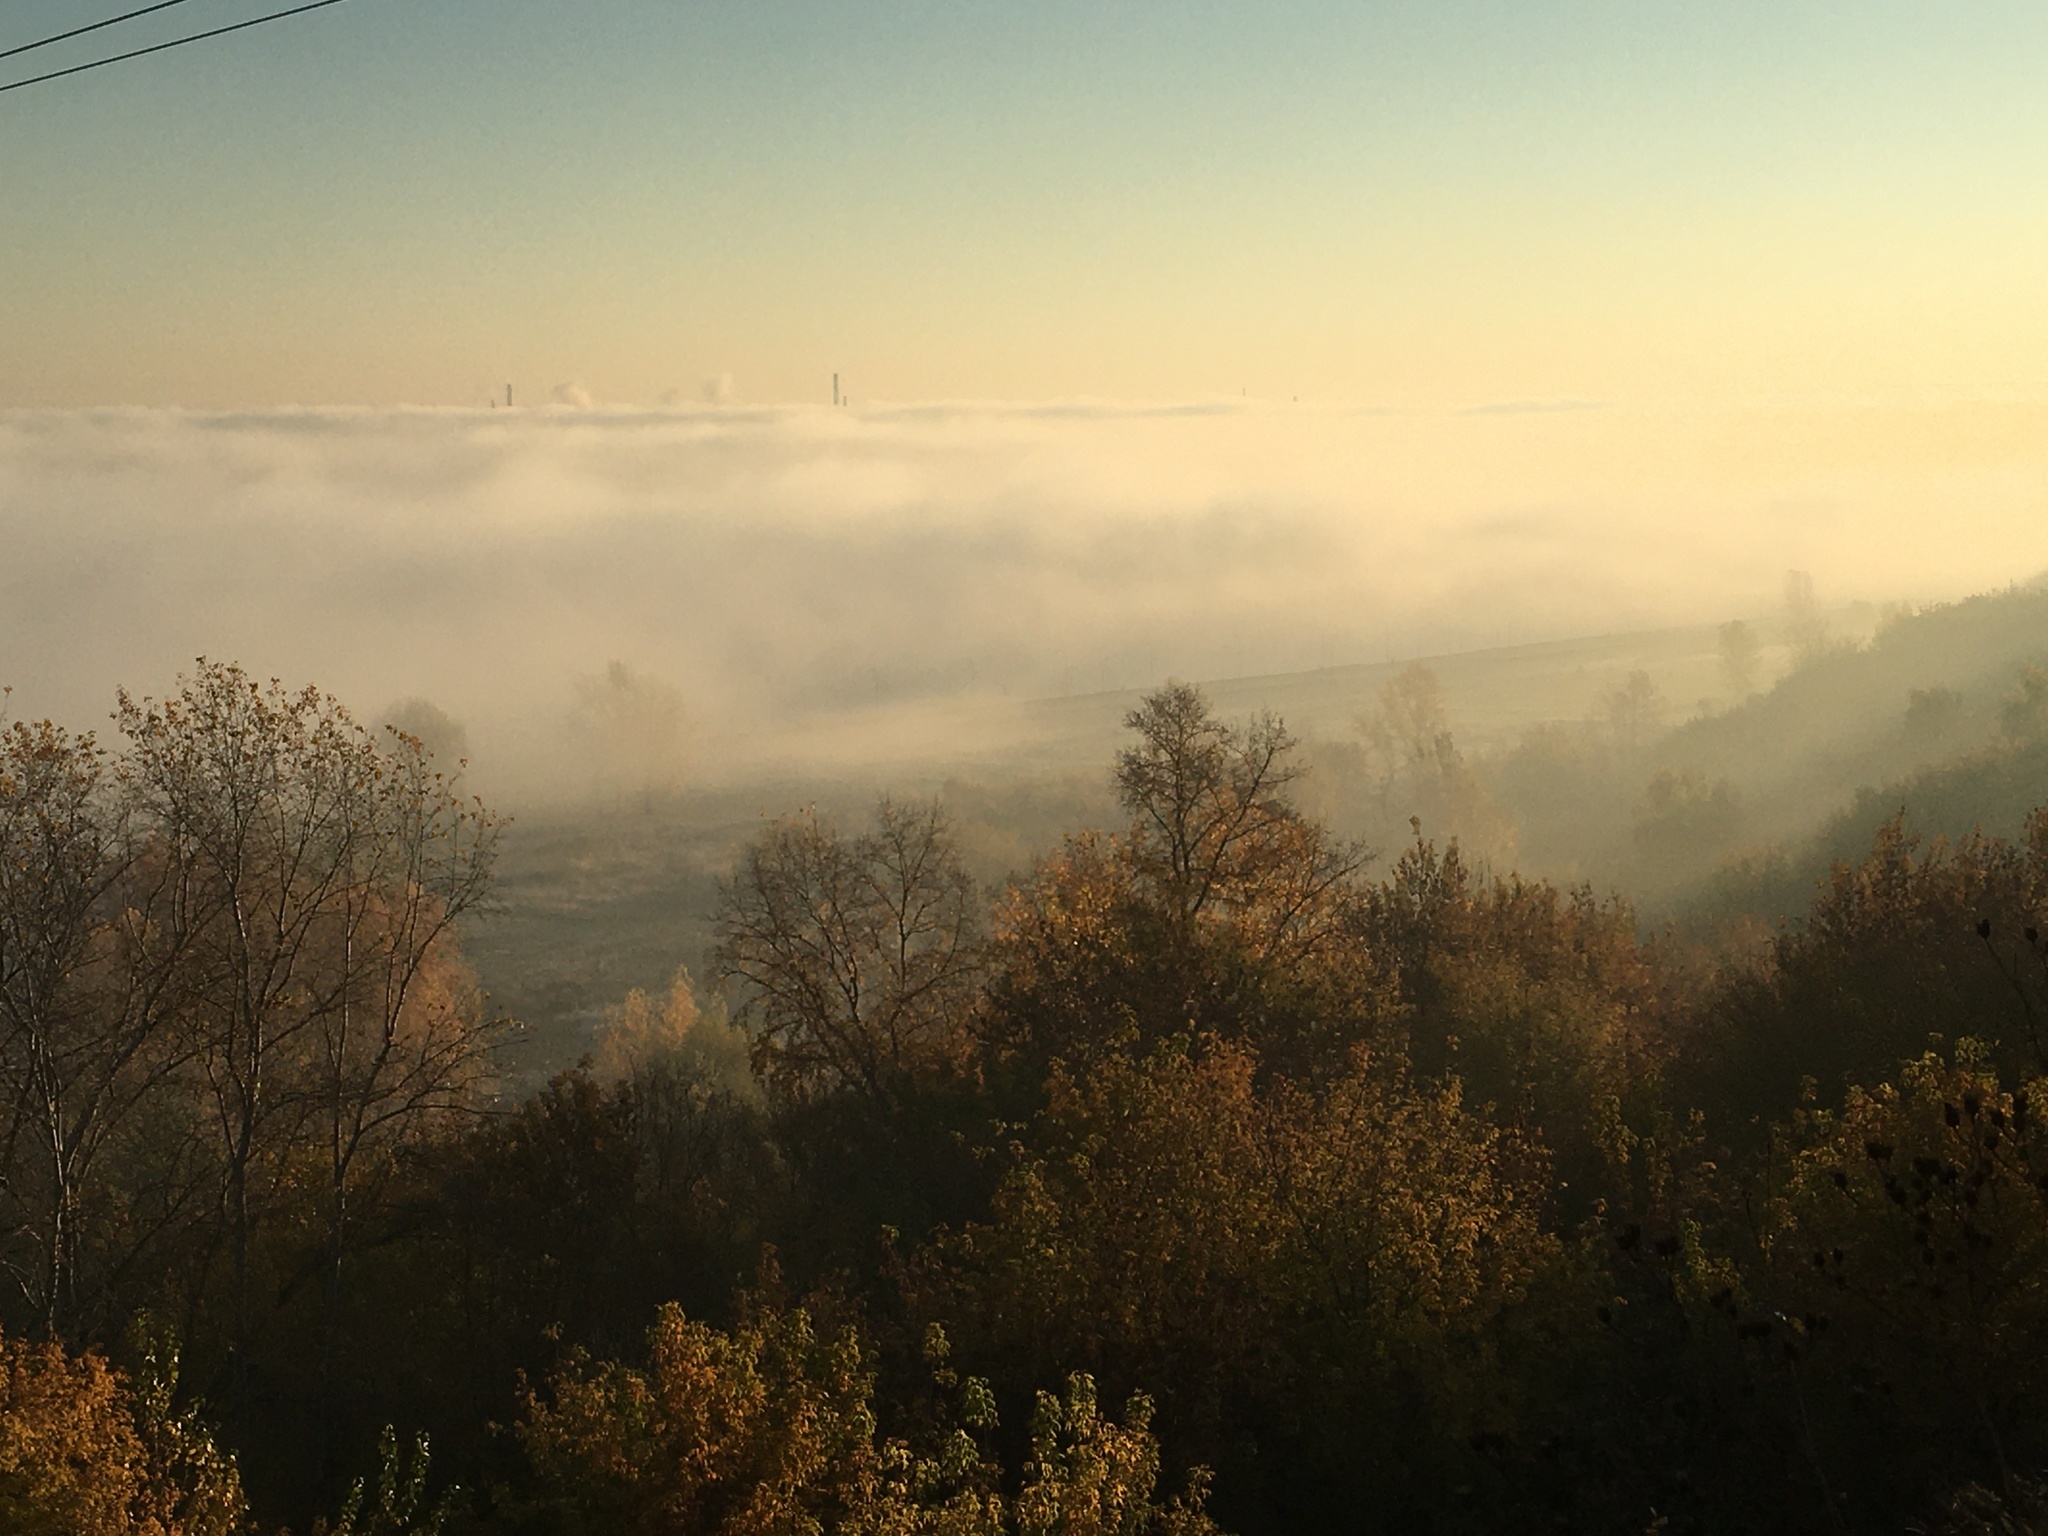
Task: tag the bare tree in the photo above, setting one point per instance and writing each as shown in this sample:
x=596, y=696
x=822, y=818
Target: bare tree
x=857, y=954
x=1806, y=631
x=318, y=879
x=635, y=729
x=58, y=858
x=1740, y=654
x=1635, y=713
x=404, y=1042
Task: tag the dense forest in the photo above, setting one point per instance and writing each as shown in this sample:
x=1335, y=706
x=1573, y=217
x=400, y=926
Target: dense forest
x=1220, y=1173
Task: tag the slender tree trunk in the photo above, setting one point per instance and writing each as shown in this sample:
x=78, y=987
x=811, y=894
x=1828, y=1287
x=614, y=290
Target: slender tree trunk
x=240, y=1225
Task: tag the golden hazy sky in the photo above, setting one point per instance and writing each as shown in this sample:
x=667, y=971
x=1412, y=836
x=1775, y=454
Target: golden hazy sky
x=1426, y=205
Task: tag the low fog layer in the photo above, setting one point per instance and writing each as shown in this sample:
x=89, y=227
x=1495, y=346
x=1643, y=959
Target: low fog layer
x=779, y=584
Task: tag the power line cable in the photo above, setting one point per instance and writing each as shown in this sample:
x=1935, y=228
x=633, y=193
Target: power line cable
x=176, y=42
x=111, y=21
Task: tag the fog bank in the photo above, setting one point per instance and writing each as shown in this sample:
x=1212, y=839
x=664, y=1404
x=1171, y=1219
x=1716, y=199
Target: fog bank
x=928, y=566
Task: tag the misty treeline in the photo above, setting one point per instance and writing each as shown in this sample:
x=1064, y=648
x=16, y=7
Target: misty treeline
x=1714, y=813
x=1200, y=1179
x=1587, y=798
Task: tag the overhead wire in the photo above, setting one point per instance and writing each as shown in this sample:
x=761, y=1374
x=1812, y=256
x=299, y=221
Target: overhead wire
x=111, y=21
x=176, y=42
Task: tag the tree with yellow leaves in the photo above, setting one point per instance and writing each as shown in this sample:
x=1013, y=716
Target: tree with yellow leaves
x=81, y=1454
x=770, y=1430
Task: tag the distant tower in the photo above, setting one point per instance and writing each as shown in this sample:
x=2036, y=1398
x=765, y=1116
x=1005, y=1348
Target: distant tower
x=835, y=389
x=508, y=397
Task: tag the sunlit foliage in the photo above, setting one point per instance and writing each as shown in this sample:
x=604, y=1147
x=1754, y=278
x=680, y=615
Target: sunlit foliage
x=771, y=1429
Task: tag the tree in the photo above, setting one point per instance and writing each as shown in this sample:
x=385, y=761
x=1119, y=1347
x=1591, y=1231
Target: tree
x=1739, y=658
x=57, y=857
x=317, y=879
x=81, y=1454
x=1931, y=713
x=1419, y=772
x=857, y=955
x=1299, y=1258
x=641, y=1036
x=1221, y=908
x=1635, y=713
x=1409, y=732
x=1806, y=632
x=1682, y=824
x=634, y=726
x=1901, y=1259
x=2024, y=716
x=1544, y=1002
x=88, y=1018
x=771, y=1430
x=1909, y=941
x=1209, y=818
x=443, y=737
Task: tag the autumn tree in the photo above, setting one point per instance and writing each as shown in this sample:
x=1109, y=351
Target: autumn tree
x=645, y=1035
x=439, y=733
x=1545, y=1002
x=1900, y=1266
x=58, y=858
x=83, y=1453
x=1682, y=824
x=1805, y=630
x=1634, y=713
x=1739, y=655
x=1210, y=821
x=2024, y=716
x=1221, y=907
x=1247, y=1254
x=633, y=727
x=1914, y=938
x=1417, y=770
x=772, y=1428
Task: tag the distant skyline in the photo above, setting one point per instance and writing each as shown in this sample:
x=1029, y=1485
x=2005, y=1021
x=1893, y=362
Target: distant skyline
x=1444, y=204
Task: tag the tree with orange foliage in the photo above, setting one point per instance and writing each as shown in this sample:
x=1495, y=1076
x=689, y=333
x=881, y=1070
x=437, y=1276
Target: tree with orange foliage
x=1902, y=1254
x=1545, y=1002
x=1913, y=938
x=1245, y=1253
x=770, y=1430
x=82, y=1455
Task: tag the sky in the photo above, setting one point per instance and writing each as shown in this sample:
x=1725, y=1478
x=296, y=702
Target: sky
x=1449, y=204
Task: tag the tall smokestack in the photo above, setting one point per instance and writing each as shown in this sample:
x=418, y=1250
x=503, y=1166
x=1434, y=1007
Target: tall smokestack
x=508, y=397
x=835, y=389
